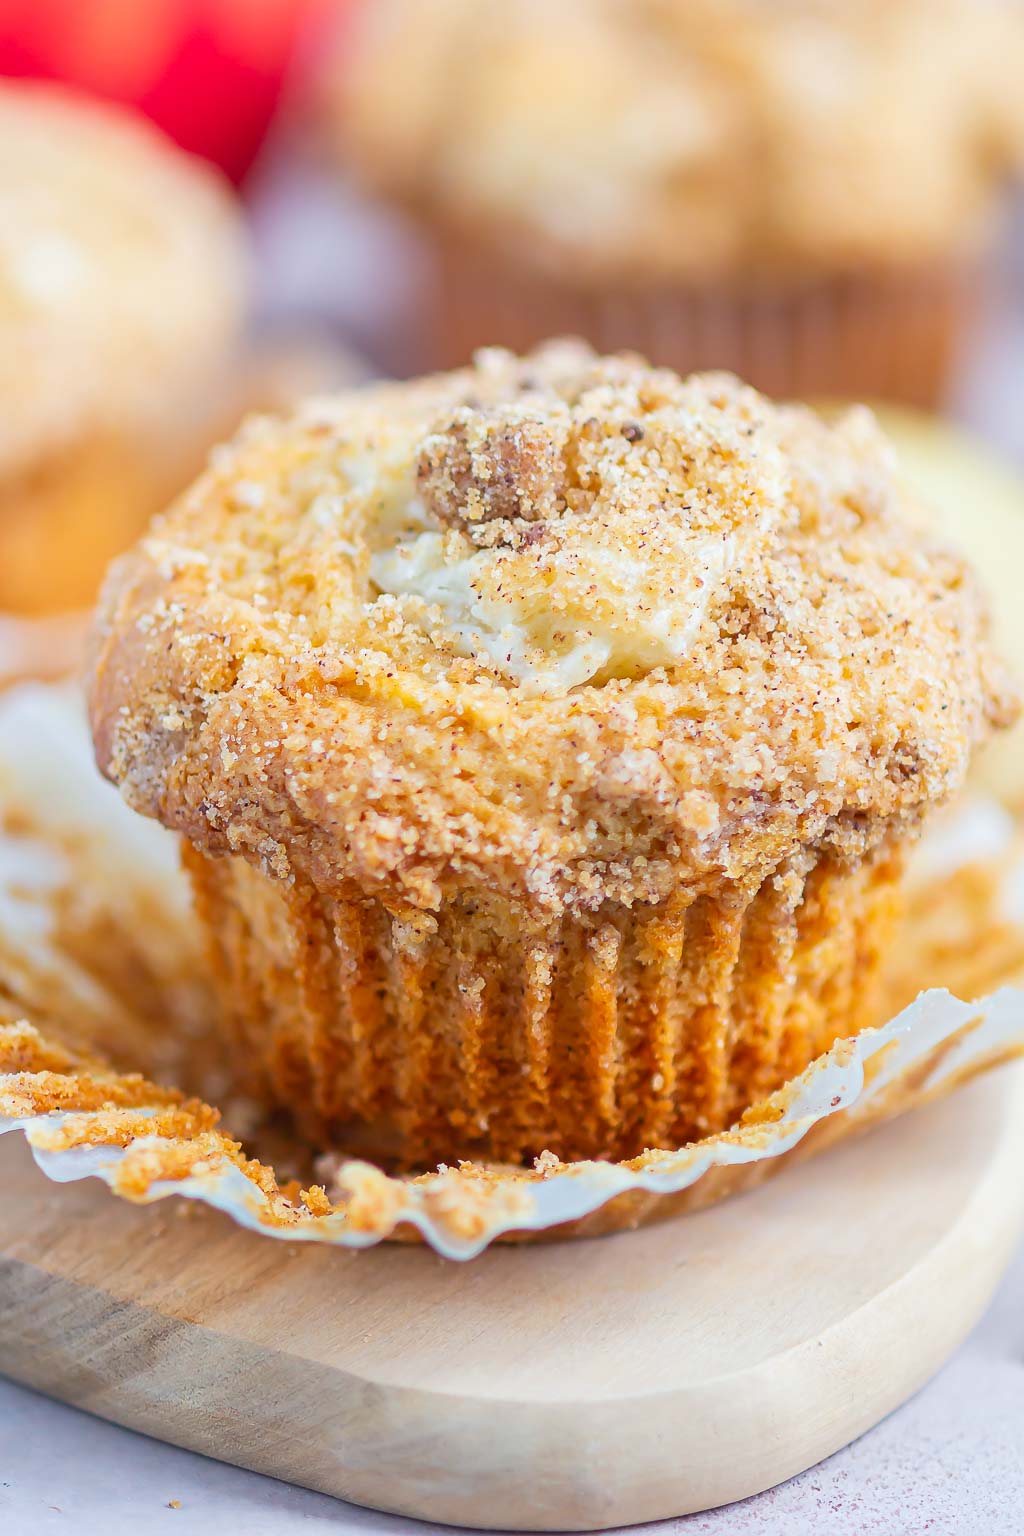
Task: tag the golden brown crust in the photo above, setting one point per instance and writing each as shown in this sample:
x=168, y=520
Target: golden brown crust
x=781, y=658
x=122, y=273
x=632, y=139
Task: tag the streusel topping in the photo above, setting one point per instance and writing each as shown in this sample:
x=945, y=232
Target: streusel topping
x=631, y=138
x=568, y=626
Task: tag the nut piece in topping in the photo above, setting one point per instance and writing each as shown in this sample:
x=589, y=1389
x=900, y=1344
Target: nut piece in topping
x=490, y=465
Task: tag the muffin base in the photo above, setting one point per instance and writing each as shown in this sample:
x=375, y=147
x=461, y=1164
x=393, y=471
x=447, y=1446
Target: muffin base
x=480, y=1033
x=884, y=335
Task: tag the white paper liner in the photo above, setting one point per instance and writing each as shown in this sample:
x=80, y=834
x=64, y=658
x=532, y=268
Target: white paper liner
x=46, y=774
x=834, y=1083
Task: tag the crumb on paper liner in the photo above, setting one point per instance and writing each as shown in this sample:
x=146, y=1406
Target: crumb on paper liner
x=100, y=975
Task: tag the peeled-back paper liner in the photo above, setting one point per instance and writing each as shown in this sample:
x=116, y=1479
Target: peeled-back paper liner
x=101, y=972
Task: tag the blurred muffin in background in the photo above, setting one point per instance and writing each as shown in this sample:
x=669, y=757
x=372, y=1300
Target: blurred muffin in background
x=803, y=193
x=122, y=294
x=209, y=73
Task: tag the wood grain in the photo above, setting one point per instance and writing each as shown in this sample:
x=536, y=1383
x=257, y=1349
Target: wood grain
x=573, y=1386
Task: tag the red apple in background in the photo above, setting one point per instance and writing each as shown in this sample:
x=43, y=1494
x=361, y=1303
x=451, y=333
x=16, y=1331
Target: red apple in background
x=209, y=72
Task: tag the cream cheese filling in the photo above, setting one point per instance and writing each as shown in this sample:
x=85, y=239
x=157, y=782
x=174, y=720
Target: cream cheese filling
x=554, y=621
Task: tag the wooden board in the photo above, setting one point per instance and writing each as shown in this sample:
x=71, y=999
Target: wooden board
x=572, y=1386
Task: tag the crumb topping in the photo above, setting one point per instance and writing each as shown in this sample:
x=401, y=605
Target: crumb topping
x=503, y=464
x=121, y=271
x=690, y=137
x=568, y=626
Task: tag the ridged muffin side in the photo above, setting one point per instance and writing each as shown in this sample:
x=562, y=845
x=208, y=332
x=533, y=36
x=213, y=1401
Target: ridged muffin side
x=477, y=1031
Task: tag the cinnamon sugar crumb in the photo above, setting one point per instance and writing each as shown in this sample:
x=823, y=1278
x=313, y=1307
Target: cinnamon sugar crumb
x=732, y=639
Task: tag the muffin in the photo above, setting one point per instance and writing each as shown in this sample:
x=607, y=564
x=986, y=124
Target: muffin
x=122, y=287
x=802, y=193
x=547, y=738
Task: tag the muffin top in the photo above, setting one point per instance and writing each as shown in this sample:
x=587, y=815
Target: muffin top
x=567, y=627
x=122, y=271
x=667, y=138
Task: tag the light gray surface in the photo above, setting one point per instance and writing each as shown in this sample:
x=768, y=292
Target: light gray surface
x=950, y=1463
